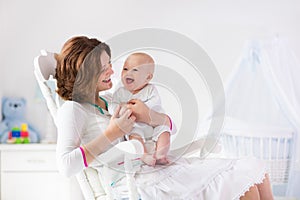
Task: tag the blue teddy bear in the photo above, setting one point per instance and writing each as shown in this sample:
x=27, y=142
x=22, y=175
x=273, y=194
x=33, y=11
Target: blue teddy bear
x=13, y=115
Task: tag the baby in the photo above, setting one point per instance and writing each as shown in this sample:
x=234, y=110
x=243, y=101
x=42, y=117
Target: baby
x=137, y=72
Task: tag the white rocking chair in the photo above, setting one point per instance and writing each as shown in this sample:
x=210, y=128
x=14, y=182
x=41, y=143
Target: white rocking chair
x=44, y=71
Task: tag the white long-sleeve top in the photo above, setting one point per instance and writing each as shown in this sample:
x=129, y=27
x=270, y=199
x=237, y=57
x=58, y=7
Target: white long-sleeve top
x=77, y=124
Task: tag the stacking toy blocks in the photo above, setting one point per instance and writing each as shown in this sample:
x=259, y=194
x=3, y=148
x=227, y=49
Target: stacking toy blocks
x=19, y=135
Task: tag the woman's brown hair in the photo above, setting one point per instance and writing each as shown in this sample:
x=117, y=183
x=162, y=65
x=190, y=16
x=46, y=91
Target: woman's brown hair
x=78, y=68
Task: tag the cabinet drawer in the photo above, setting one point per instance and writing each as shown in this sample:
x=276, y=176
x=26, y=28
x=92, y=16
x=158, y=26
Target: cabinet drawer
x=28, y=161
x=34, y=186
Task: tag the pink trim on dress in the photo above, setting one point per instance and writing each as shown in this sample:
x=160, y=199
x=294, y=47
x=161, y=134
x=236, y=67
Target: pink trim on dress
x=84, y=158
x=171, y=123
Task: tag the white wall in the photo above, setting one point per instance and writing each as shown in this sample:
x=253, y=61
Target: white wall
x=220, y=27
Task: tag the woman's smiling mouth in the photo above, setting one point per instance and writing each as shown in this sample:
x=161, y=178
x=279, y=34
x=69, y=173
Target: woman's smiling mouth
x=106, y=80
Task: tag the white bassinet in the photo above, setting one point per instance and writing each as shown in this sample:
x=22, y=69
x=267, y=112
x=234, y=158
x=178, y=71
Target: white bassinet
x=262, y=109
x=273, y=147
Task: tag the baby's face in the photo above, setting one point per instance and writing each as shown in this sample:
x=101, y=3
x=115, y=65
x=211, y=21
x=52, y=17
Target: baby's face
x=136, y=74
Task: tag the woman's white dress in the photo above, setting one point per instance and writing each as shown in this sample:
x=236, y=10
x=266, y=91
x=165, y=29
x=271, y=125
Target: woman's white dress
x=206, y=179
x=187, y=178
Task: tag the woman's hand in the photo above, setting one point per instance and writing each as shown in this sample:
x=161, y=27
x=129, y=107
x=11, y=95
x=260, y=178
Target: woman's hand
x=120, y=123
x=123, y=108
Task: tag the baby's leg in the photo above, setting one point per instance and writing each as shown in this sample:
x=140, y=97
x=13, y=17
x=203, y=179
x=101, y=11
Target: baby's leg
x=162, y=148
x=148, y=157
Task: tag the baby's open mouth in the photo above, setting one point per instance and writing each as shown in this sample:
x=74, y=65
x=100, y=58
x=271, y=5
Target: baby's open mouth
x=129, y=80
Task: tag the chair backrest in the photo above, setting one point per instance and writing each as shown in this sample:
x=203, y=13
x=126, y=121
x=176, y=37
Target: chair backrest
x=44, y=70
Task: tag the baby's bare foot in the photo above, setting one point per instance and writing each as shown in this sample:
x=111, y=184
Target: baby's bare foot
x=162, y=161
x=149, y=159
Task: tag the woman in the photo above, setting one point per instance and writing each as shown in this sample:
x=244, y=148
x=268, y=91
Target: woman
x=83, y=70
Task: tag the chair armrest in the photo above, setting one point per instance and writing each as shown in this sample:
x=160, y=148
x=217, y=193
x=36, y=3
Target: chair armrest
x=201, y=145
x=132, y=149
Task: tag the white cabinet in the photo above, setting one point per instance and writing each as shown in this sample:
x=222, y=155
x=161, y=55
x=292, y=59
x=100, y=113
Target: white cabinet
x=29, y=172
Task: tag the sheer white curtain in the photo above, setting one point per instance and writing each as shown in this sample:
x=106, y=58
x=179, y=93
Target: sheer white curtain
x=283, y=70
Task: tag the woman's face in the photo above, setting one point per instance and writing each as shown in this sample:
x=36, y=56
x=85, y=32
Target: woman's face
x=104, y=81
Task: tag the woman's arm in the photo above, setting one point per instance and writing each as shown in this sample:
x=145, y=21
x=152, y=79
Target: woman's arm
x=118, y=127
x=72, y=118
